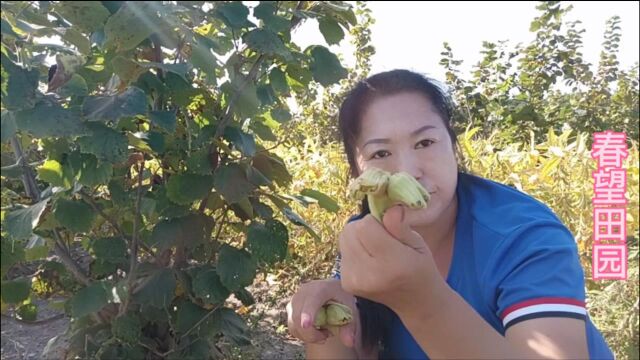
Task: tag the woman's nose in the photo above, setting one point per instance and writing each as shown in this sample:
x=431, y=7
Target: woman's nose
x=410, y=165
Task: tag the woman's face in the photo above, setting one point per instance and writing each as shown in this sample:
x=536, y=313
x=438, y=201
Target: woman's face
x=403, y=132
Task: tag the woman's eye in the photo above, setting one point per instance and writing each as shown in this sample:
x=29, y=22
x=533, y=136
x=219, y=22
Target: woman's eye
x=379, y=154
x=425, y=143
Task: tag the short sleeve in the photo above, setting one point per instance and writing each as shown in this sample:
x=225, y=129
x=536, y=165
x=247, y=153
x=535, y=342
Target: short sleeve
x=335, y=272
x=535, y=273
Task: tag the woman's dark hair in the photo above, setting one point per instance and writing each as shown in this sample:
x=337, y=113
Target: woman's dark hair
x=375, y=318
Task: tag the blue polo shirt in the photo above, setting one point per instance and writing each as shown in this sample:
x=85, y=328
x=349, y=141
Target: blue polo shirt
x=513, y=260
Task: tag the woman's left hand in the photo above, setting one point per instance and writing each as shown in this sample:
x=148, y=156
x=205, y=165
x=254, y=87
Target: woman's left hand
x=390, y=264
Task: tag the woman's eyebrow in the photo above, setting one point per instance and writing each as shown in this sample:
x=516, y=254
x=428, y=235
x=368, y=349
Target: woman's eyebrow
x=386, y=141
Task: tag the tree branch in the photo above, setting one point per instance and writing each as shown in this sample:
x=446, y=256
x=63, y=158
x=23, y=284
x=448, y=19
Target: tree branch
x=201, y=321
x=28, y=178
x=133, y=263
x=236, y=96
x=114, y=224
x=66, y=259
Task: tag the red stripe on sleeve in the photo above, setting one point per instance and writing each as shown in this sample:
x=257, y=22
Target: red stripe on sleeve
x=538, y=301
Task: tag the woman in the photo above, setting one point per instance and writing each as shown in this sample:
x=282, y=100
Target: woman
x=484, y=271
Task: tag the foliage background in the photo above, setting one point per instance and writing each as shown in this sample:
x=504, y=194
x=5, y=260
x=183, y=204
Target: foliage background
x=525, y=118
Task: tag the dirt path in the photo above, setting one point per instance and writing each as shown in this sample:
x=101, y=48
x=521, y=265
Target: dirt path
x=266, y=319
x=20, y=341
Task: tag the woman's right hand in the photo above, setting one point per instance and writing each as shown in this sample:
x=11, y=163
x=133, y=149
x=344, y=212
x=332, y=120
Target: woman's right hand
x=306, y=302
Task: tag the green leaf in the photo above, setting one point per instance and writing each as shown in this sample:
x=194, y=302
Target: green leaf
x=263, y=131
x=231, y=182
x=100, y=268
x=232, y=326
x=89, y=300
x=139, y=141
x=27, y=312
x=180, y=69
x=149, y=83
x=166, y=233
x=20, y=223
x=266, y=11
x=297, y=220
x=110, y=249
x=234, y=14
x=118, y=195
x=11, y=252
x=127, y=328
x=331, y=30
x=208, y=287
x=325, y=66
x=198, y=349
x=220, y=45
x=262, y=210
x=76, y=38
x=199, y=162
x=324, y=201
x=156, y=141
x=54, y=173
x=105, y=143
x=189, y=230
x=159, y=290
x=75, y=215
x=90, y=172
x=48, y=118
x=7, y=29
x=126, y=69
x=86, y=15
x=245, y=297
x=535, y=26
x=243, y=141
x=18, y=85
x=12, y=171
x=111, y=108
x=277, y=24
x=272, y=167
x=268, y=243
x=76, y=86
x=130, y=25
x=188, y=316
x=180, y=90
x=15, y=291
x=298, y=78
x=243, y=209
x=164, y=119
x=8, y=128
x=235, y=267
x=56, y=148
x=36, y=248
x=203, y=59
x=247, y=103
x=280, y=114
x=256, y=177
x=184, y=189
x=267, y=42
x=278, y=81
x=266, y=95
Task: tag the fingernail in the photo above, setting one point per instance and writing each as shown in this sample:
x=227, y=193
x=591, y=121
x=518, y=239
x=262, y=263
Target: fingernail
x=306, y=321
